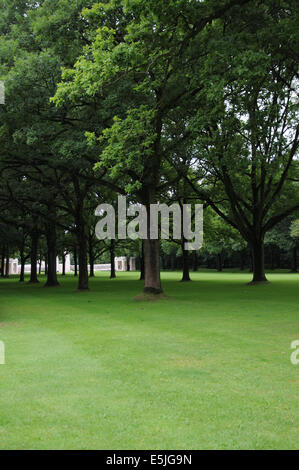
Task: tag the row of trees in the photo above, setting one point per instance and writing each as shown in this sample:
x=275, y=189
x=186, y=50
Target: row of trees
x=181, y=101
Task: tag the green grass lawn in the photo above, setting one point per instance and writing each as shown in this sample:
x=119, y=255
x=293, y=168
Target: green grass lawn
x=208, y=368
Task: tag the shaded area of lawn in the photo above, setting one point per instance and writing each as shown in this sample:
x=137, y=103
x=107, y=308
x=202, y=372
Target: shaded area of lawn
x=208, y=368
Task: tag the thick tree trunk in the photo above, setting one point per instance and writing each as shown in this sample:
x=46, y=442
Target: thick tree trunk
x=142, y=270
x=294, y=260
x=52, y=255
x=258, y=261
x=112, y=260
x=33, y=257
x=186, y=275
x=152, y=284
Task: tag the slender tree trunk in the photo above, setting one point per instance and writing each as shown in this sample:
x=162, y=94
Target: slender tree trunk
x=7, y=264
x=3, y=263
x=52, y=253
x=294, y=260
x=33, y=257
x=186, y=275
x=112, y=260
x=258, y=261
x=142, y=270
x=91, y=258
x=46, y=265
x=63, y=263
x=219, y=263
x=23, y=260
x=83, y=258
x=22, y=272
x=75, y=262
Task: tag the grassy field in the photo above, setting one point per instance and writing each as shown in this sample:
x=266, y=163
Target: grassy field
x=208, y=368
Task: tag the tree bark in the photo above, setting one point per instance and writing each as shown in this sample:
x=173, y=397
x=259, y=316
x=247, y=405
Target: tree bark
x=294, y=260
x=112, y=260
x=7, y=264
x=258, y=258
x=23, y=261
x=51, y=253
x=33, y=257
x=142, y=270
x=63, y=263
x=75, y=262
x=83, y=258
x=22, y=272
x=91, y=258
x=3, y=263
x=186, y=274
x=219, y=263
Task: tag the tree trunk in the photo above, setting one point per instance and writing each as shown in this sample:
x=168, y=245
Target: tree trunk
x=46, y=265
x=186, y=275
x=112, y=260
x=51, y=255
x=63, y=264
x=142, y=270
x=258, y=261
x=3, y=263
x=7, y=265
x=23, y=260
x=152, y=284
x=83, y=259
x=33, y=257
x=22, y=272
x=219, y=263
x=294, y=260
x=75, y=262
x=91, y=258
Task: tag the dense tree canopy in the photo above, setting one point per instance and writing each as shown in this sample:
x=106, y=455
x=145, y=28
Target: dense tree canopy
x=181, y=101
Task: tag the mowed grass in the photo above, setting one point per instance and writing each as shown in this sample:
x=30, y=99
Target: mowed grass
x=209, y=368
